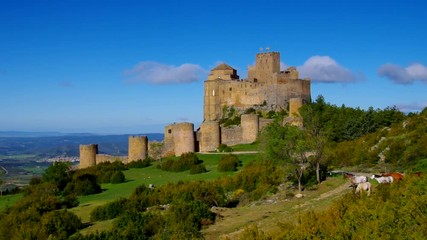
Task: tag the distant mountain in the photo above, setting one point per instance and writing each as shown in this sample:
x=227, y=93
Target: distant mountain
x=39, y=134
x=50, y=146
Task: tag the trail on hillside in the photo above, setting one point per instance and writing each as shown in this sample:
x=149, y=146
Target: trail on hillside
x=267, y=213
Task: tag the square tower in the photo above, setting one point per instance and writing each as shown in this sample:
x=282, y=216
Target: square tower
x=266, y=67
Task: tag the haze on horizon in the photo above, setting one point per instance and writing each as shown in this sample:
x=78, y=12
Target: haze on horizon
x=135, y=67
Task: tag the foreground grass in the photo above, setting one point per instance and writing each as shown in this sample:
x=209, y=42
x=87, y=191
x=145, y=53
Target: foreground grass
x=267, y=214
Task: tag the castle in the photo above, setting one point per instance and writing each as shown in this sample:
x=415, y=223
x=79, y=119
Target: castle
x=266, y=88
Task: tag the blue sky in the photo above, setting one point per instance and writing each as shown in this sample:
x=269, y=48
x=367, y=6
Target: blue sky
x=136, y=66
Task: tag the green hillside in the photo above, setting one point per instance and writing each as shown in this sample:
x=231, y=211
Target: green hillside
x=244, y=204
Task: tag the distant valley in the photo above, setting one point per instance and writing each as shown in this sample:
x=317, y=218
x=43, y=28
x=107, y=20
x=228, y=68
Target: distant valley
x=51, y=144
x=27, y=154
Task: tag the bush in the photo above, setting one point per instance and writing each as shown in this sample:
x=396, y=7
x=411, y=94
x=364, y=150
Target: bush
x=60, y=224
x=83, y=184
x=109, y=211
x=185, y=162
x=140, y=163
x=228, y=163
x=117, y=177
x=224, y=148
x=199, y=168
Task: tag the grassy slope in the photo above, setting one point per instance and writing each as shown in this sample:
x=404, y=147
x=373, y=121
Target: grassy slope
x=9, y=200
x=269, y=213
x=153, y=175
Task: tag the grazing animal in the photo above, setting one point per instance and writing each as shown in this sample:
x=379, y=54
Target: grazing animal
x=354, y=180
x=395, y=175
x=364, y=186
x=381, y=179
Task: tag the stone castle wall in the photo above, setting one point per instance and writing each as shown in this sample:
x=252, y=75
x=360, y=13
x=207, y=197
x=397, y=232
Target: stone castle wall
x=137, y=148
x=209, y=136
x=88, y=155
x=179, y=139
x=102, y=158
x=231, y=135
x=250, y=128
x=294, y=105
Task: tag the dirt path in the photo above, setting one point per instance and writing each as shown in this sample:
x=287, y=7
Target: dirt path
x=267, y=213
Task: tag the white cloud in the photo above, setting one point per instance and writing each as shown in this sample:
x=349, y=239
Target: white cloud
x=408, y=75
x=327, y=70
x=159, y=73
x=411, y=107
x=283, y=66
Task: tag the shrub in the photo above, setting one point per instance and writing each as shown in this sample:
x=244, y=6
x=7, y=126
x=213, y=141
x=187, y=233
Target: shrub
x=109, y=211
x=199, y=168
x=60, y=224
x=224, y=148
x=228, y=163
x=140, y=163
x=83, y=184
x=117, y=177
x=185, y=162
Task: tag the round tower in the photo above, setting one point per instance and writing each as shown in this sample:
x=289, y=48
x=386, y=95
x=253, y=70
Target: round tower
x=183, y=138
x=138, y=148
x=250, y=127
x=88, y=155
x=169, y=145
x=294, y=106
x=209, y=136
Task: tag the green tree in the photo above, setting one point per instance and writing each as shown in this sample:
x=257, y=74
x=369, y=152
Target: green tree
x=286, y=146
x=58, y=173
x=315, y=135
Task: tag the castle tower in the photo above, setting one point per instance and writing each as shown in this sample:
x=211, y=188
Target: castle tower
x=250, y=127
x=224, y=72
x=212, y=106
x=209, y=136
x=138, y=148
x=88, y=155
x=294, y=106
x=266, y=66
x=179, y=139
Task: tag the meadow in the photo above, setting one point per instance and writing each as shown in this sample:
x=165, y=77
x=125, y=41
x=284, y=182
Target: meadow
x=144, y=176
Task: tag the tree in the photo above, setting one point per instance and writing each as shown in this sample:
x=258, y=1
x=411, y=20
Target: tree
x=58, y=173
x=286, y=146
x=315, y=136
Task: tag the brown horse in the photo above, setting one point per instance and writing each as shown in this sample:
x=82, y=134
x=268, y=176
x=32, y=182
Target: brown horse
x=395, y=175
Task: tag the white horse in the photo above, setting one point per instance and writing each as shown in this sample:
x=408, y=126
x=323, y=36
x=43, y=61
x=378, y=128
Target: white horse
x=354, y=180
x=364, y=186
x=382, y=179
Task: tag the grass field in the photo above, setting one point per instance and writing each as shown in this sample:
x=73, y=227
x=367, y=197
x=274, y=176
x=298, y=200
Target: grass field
x=246, y=147
x=136, y=177
x=150, y=175
x=9, y=200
